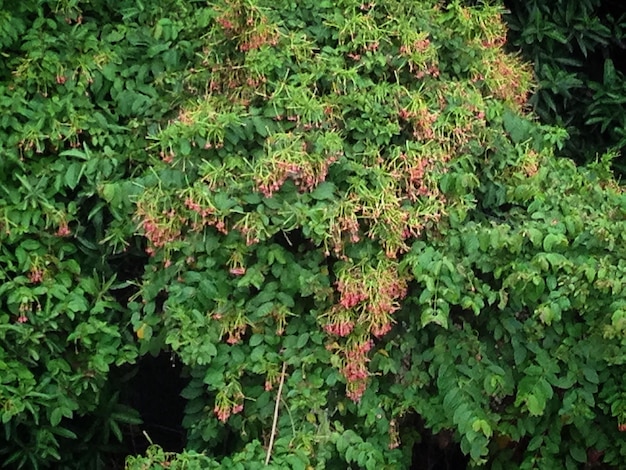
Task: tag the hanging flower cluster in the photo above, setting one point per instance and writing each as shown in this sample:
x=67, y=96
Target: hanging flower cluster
x=229, y=401
x=355, y=359
x=160, y=229
x=290, y=156
x=368, y=297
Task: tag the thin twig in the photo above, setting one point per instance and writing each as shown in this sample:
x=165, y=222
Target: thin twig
x=276, y=407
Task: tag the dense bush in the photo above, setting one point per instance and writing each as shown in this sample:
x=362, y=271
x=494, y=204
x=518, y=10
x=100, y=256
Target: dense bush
x=577, y=48
x=80, y=90
x=338, y=216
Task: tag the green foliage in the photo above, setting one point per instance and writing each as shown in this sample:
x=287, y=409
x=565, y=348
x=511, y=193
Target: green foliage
x=576, y=48
x=79, y=89
x=335, y=214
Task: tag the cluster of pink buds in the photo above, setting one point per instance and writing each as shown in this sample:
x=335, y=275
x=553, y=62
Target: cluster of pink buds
x=258, y=40
x=413, y=172
x=423, y=125
x=350, y=225
x=255, y=82
x=237, y=270
x=340, y=324
x=35, y=276
x=506, y=81
x=209, y=145
x=195, y=206
x=352, y=292
x=421, y=45
x=380, y=324
x=270, y=379
x=343, y=328
x=269, y=188
x=498, y=41
x=159, y=230
x=233, y=323
x=355, y=369
x=63, y=230
x=235, y=334
x=236, y=264
x=226, y=22
x=167, y=157
x=431, y=70
x=225, y=406
x=204, y=217
x=25, y=307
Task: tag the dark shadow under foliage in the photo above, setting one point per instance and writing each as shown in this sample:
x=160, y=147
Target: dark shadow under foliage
x=155, y=393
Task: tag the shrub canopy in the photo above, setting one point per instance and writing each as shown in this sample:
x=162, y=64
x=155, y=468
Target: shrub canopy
x=339, y=216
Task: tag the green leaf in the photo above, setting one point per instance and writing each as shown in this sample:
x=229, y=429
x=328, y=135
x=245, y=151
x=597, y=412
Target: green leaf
x=578, y=453
x=56, y=416
x=303, y=339
x=534, y=405
x=256, y=339
x=324, y=191
x=554, y=240
x=214, y=377
x=117, y=432
x=191, y=392
x=83, y=155
x=436, y=316
x=63, y=432
x=591, y=375
x=517, y=127
x=257, y=353
x=73, y=174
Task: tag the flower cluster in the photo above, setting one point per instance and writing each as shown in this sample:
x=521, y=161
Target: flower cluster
x=35, y=276
x=422, y=57
x=63, y=230
x=271, y=378
x=352, y=291
x=229, y=401
x=423, y=125
x=340, y=322
x=250, y=28
x=235, y=333
x=233, y=323
x=412, y=170
x=204, y=215
x=262, y=35
x=25, y=308
x=236, y=264
x=305, y=173
x=507, y=80
x=355, y=359
x=159, y=228
x=169, y=156
x=369, y=295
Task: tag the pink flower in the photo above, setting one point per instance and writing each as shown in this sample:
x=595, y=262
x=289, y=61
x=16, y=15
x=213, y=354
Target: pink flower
x=63, y=230
x=238, y=270
x=35, y=276
x=222, y=413
x=238, y=408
